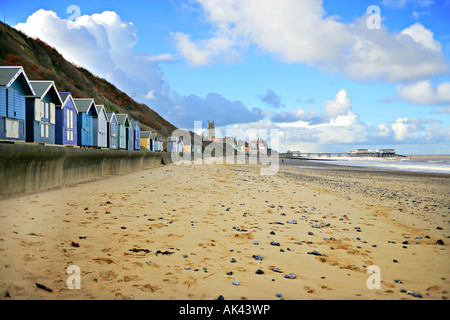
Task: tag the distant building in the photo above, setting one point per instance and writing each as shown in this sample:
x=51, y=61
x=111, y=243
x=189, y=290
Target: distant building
x=386, y=151
x=211, y=131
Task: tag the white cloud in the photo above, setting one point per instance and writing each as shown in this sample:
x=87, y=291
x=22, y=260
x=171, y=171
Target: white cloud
x=422, y=36
x=103, y=43
x=150, y=95
x=301, y=32
x=339, y=106
x=423, y=93
x=422, y=131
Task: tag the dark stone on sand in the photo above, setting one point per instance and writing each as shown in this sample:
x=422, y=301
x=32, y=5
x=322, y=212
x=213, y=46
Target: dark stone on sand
x=164, y=252
x=74, y=244
x=259, y=271
x=274, y=243
x=139, y=250
x=440, y=241
x=220, y=297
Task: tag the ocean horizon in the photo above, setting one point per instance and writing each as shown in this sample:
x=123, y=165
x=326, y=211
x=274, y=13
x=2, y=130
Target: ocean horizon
x=412, y=163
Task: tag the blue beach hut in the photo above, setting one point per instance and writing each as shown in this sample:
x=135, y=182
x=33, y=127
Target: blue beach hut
x=66, y=121
x=136, y=134
x=41, y=112
x=85, y=122
x=122, y=125
x=112, y=130
x=100, y=127
x=14, y=87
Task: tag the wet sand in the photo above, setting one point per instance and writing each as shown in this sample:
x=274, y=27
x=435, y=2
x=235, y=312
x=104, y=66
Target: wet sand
x=176, y=232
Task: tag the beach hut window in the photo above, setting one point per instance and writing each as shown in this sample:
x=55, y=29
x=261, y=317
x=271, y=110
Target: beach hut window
x=45, y=112
x=42, y=130
x=47, y=135
x=42, y=109
x=12, y=128
x=52, y=113
x=37, y=109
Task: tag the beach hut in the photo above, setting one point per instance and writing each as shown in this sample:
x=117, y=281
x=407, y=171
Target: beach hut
x=66, y=121
x=14, y=87
x=152, y=141
x=146, y=137
x=100, y=127
x=85, y=122
x=172, y=144
x=136, y=135
x=158, y=144
x=130, y=135
x=112, y=130
x=187, y=148
x=122, y=125
x=41, y=112
x=155, y=142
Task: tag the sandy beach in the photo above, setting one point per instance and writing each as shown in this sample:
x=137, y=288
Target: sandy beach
x=196, y=232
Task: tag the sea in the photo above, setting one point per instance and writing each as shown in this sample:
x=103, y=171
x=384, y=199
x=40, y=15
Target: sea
x=414, y=163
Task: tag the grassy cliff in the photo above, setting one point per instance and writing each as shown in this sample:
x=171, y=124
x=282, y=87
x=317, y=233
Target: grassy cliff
x=42, y=62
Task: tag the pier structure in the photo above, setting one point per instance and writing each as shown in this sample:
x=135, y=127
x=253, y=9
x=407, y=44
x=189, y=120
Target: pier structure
x=379, y=153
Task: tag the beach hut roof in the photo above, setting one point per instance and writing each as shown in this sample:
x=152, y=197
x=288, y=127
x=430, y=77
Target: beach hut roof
x=65, y=97
x=83, y=105
x=9, y=74
x=43, y=87
x=134, y=123
x=110, y=115
x=122, y=119
x=146, y=134
x=99, y=109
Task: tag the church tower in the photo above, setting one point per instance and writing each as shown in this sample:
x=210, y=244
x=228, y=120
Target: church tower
x=211, y=131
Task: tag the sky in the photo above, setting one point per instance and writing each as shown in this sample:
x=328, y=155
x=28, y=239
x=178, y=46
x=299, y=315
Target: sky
x=332, y=75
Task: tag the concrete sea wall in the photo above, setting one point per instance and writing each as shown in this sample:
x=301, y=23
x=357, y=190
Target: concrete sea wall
x=28, y=168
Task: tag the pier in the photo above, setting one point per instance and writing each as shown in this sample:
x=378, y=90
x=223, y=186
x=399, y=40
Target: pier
x=380, y=153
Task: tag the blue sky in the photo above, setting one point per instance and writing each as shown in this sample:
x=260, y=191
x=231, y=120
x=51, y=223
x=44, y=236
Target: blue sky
x=312, y=69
